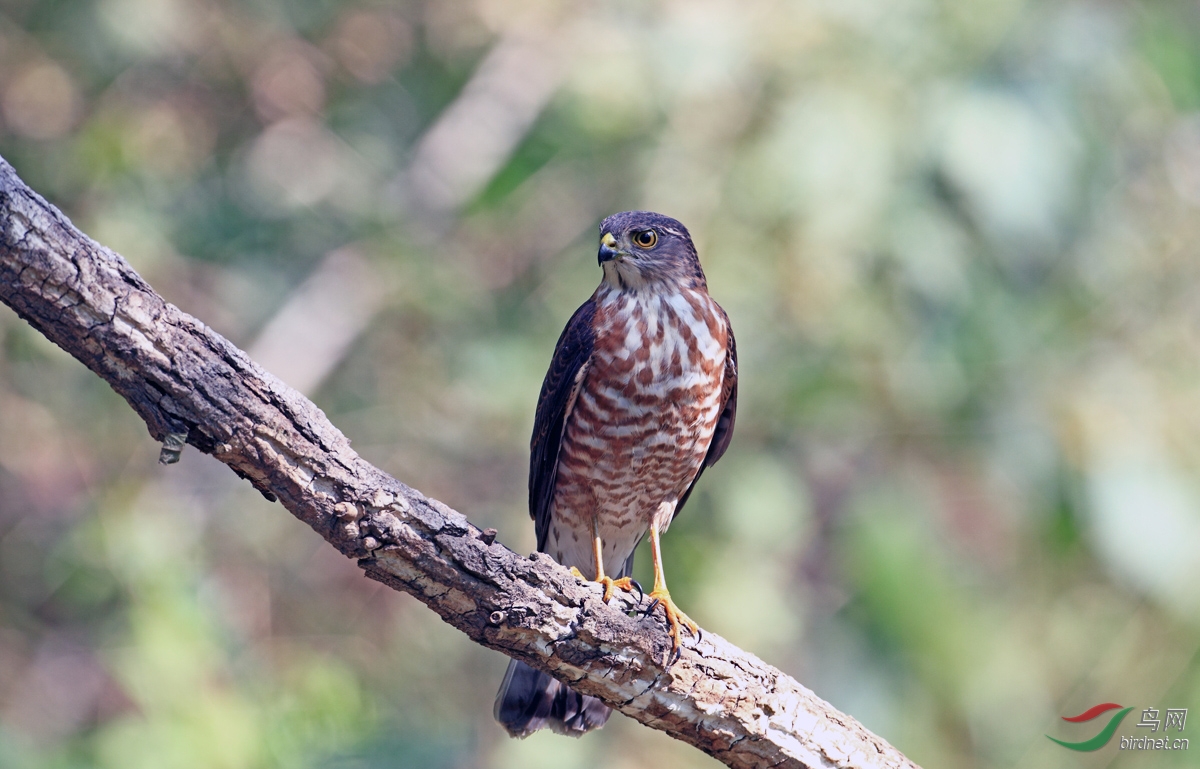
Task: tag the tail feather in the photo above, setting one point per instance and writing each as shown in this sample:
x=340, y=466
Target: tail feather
x=529, y=700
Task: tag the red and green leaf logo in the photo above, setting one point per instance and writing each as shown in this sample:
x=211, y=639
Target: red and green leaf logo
x=1101, y=739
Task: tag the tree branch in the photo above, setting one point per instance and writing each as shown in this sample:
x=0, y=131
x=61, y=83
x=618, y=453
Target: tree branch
x=183, y=378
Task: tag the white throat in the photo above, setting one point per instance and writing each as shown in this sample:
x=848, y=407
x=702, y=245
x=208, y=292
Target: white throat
x=623, y=276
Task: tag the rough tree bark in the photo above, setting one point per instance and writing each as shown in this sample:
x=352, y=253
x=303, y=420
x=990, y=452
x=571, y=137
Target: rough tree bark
x=184, y=379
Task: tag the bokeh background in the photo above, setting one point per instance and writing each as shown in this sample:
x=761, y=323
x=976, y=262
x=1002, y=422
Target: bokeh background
x=957, y=241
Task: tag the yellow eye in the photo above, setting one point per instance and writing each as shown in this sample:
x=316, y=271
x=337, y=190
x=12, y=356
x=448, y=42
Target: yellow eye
x=645, y=239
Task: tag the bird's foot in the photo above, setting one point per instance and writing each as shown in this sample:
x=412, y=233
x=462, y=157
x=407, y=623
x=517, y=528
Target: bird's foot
x=628, y=584
x=676, y=619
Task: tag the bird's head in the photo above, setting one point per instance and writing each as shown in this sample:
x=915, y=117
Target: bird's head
x=643, y=250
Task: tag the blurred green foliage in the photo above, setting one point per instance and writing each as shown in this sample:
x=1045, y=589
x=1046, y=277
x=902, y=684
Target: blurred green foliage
x=956, y=240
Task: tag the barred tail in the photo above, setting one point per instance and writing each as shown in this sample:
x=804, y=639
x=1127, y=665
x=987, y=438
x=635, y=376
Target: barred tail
x=529, y=700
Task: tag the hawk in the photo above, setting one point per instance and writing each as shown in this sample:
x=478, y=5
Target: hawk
x=640, y=398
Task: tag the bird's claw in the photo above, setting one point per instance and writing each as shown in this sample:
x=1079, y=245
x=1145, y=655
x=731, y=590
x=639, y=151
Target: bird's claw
x=628, y=584
x=638, y=587
x=624, y=583
x=676, y=621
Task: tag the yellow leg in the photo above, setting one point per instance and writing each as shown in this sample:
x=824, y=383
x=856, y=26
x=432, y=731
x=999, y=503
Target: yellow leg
x=661, y=595
x=625, y=583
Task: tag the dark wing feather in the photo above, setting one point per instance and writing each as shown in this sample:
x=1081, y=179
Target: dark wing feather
x=724, y=430
x=567, y=367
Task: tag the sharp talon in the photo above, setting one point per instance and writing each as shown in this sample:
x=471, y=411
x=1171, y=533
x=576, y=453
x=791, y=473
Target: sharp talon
x=699, y=636
x=650, y=608
x=675, y=656
x=641, y=593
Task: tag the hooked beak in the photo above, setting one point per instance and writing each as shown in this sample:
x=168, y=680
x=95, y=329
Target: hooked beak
x=608, y=249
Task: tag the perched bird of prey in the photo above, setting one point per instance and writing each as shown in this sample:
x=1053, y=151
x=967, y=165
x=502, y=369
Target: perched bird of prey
x=640, y=398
